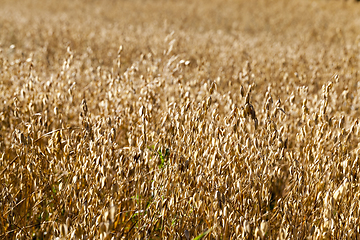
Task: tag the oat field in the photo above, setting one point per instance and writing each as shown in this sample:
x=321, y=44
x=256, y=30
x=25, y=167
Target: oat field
x=179, y=119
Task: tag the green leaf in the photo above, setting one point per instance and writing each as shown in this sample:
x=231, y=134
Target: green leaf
x=202, y=234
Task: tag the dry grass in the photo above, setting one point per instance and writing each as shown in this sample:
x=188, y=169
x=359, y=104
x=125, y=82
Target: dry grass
x=176, y=119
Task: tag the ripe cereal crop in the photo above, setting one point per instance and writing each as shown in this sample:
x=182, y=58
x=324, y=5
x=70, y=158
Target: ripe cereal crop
x=183, y=119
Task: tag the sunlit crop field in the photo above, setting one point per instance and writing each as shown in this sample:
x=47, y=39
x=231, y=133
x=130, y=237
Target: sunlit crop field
x=179, y=119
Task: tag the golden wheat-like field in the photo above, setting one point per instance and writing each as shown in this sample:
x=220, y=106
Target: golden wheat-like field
x=186, y=119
